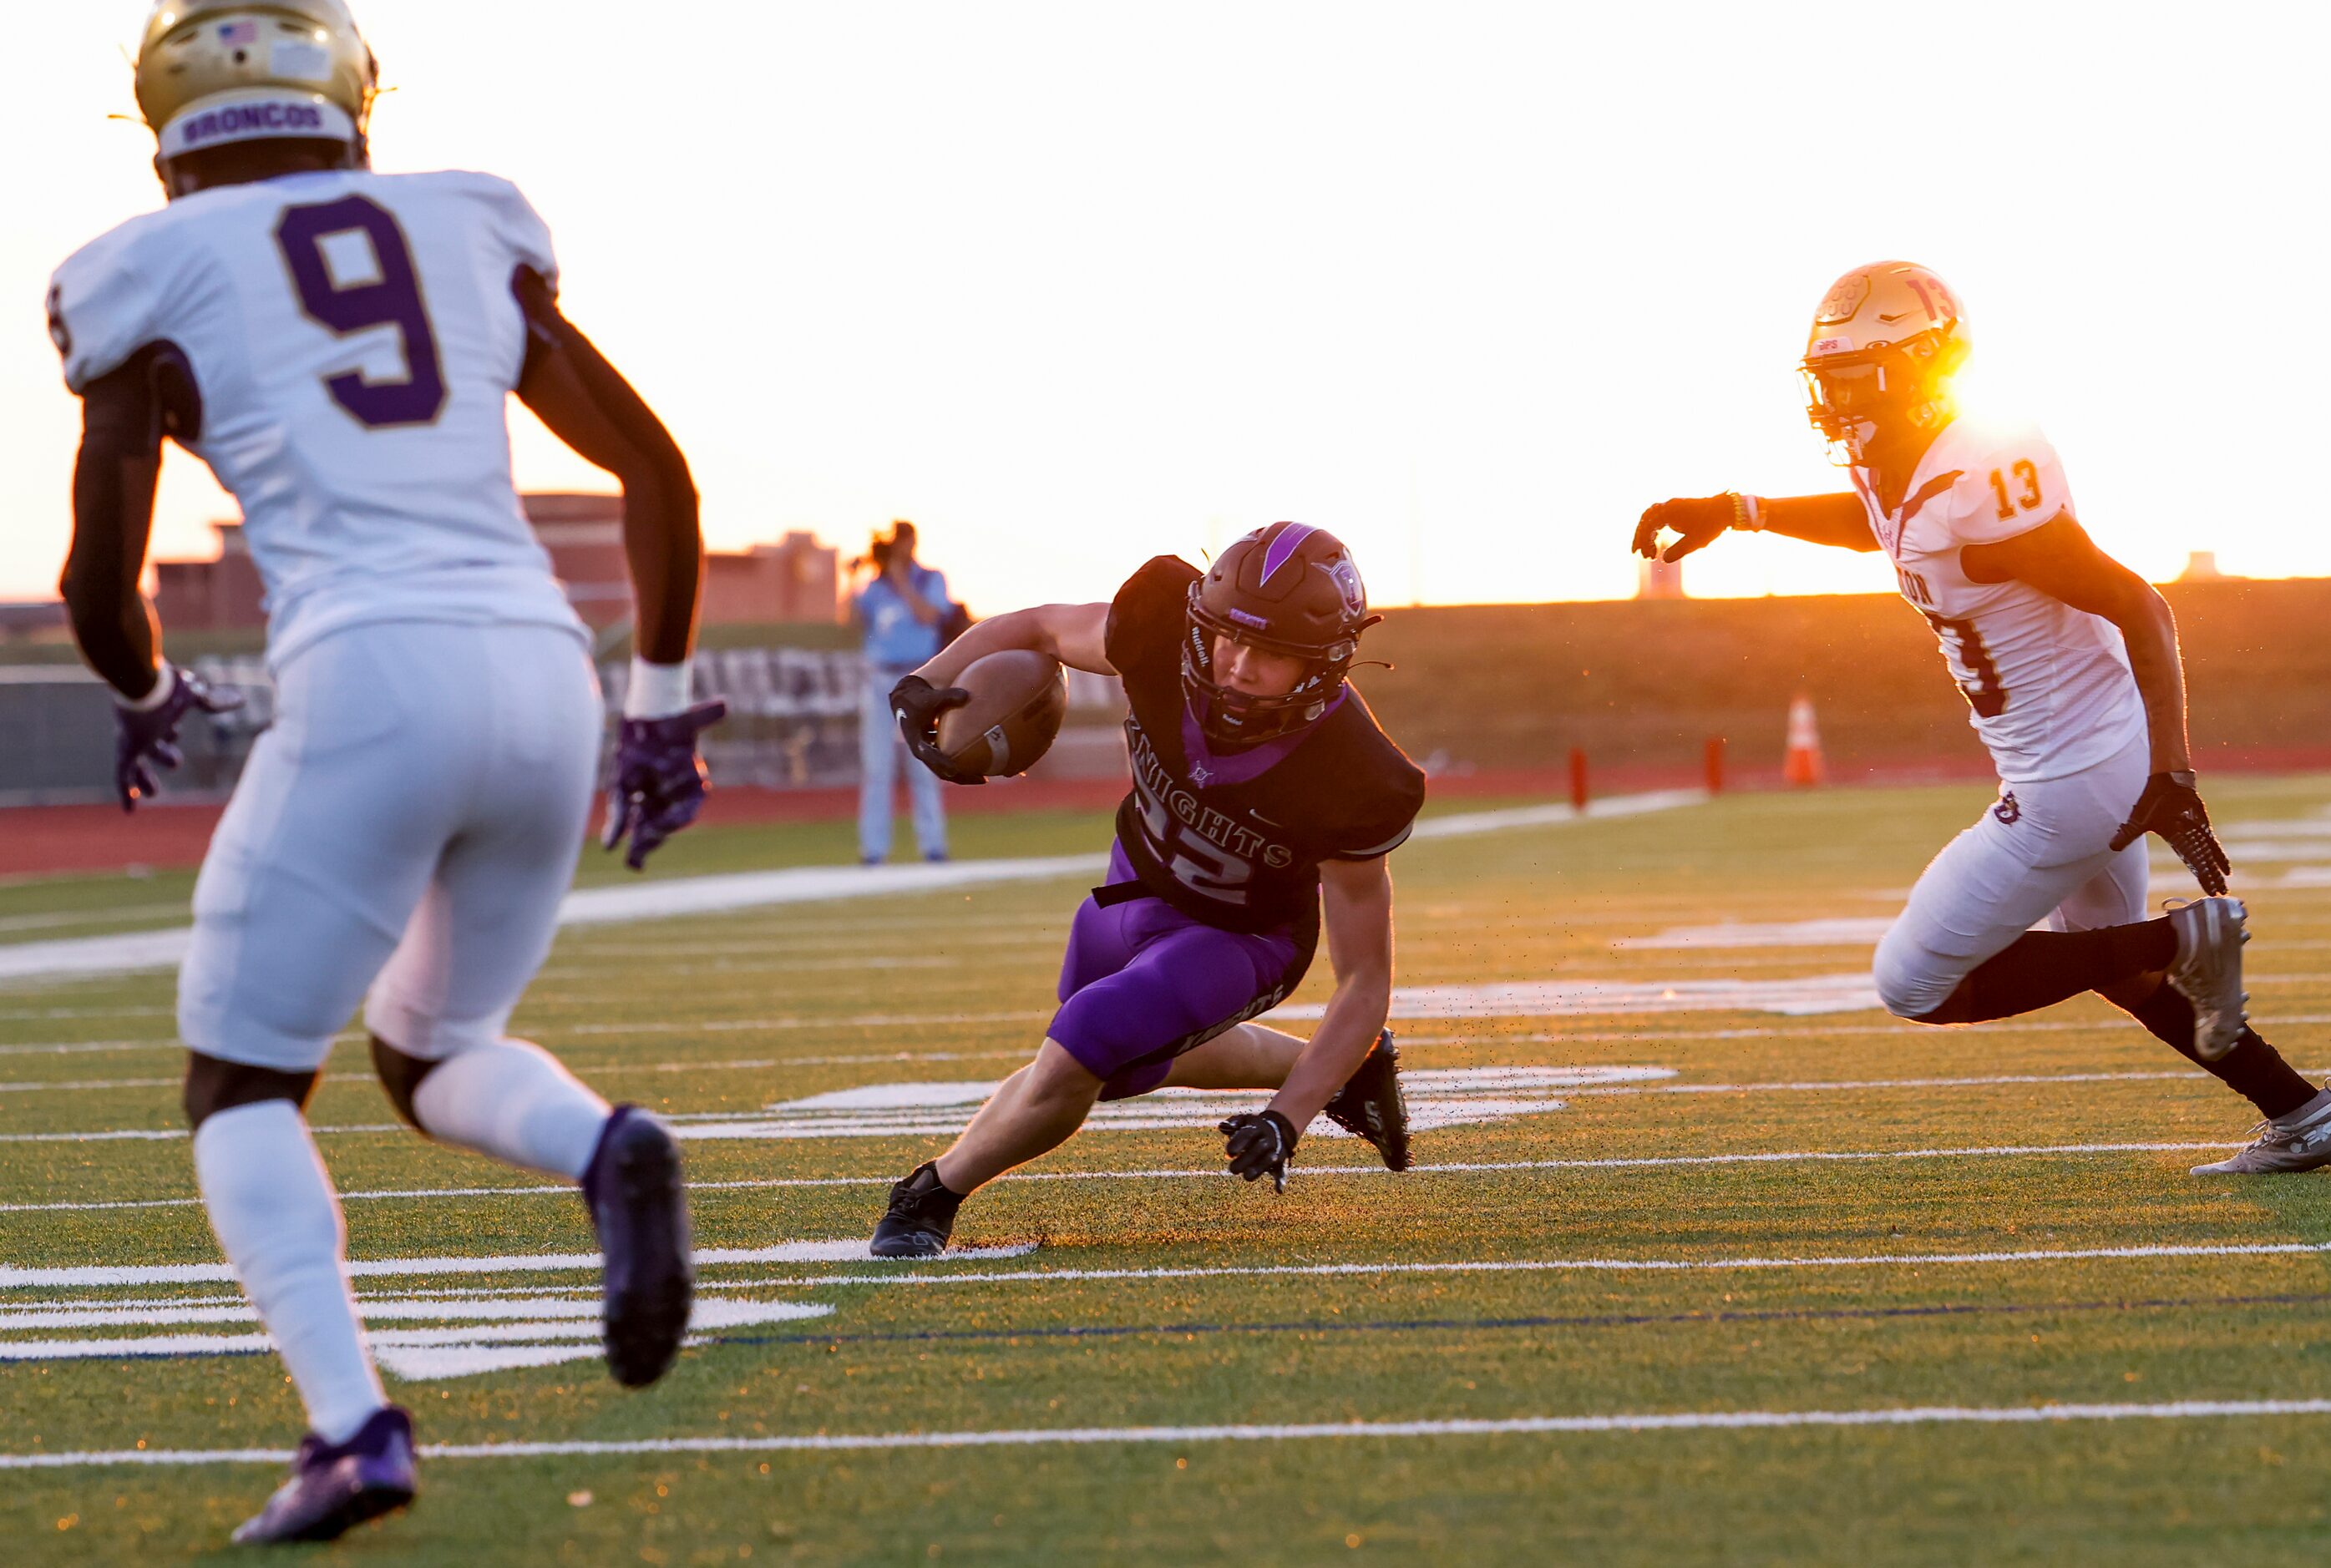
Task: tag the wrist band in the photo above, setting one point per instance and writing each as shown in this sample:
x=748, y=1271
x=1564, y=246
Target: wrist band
x=166, y=680
x=1747, y=512
x=658, y=690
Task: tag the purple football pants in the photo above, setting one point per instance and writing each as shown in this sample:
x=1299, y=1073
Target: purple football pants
x=1142, y=983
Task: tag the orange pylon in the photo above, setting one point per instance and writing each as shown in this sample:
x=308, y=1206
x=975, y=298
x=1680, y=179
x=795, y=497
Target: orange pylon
x=1802, y=763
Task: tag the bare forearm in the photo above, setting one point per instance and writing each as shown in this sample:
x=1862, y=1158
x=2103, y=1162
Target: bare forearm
x=997, y=634
x=2150, y=632
x=664, y=546
x=114, y=476
x=115, y=630
x=921, y=609
x=1838, y=519
x=1355, y=1016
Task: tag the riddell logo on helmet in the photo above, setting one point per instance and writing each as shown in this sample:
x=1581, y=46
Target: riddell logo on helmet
x=241, y=119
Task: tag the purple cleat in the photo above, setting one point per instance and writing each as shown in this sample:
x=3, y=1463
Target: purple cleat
x=335, y=1487
x=638, y=1206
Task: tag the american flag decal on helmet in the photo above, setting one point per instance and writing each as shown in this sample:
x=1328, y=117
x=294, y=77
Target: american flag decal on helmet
x=244, y=31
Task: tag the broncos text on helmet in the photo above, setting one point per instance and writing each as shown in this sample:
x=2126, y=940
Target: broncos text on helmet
x=1290, y=589
x=211, y=72
x=1885, y=341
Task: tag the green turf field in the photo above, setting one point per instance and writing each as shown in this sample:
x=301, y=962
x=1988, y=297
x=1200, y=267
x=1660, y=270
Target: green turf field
x=1769, y=1215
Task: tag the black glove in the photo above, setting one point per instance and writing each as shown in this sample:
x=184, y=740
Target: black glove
x=1259, y=1145
x=144, y=739
x=1699, y=519
x=917, y=705
x=2171, y=807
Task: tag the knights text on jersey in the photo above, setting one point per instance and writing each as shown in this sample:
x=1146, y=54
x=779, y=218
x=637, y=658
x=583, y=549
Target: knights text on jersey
x=2048, y=686
x=353, y=338
x=1236, y=839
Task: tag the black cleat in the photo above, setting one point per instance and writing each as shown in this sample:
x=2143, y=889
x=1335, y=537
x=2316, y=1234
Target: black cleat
x=920, y=1218
x=335, y=1486
x=1369, y=1107
x=638, y=1206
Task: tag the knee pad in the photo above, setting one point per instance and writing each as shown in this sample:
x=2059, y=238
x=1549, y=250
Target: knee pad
x=401, y=1075
x=213, y=1086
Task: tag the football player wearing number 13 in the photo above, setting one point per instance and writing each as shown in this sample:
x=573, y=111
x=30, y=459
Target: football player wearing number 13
x=339, y=347
x=2070, y=663
x=1263, y=790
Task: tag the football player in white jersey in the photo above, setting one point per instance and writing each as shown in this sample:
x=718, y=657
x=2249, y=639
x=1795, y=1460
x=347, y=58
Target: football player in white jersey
x=2069, y=662
x=339, y=346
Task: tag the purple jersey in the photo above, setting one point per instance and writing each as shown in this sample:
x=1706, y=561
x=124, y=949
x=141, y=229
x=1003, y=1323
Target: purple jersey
x=1236, y=839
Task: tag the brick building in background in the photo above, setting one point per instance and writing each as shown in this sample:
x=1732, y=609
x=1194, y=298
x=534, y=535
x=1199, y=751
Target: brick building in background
x=794, y=579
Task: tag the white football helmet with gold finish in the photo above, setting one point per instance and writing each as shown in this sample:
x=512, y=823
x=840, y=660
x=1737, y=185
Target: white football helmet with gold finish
x=215, y=71
x=1887, y=338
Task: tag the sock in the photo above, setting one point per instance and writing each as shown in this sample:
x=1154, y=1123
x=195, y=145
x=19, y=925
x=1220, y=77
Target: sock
x=2042, y=968
x=934, y=1196
x=511, y=1099
x=277, y=1219
x=2252, y=1070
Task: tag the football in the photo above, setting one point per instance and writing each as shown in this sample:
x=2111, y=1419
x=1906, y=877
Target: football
x=1018, y=699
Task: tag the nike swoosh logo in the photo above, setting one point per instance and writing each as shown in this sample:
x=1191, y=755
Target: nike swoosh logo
x=1889, y=320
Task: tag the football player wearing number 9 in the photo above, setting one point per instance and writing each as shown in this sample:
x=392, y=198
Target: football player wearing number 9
x=1263, y=790
x=339, y=347
x=2070, y=663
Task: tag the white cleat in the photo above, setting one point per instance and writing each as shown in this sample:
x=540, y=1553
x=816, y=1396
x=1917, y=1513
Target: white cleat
x=2304, y=1144
x=2208, y=970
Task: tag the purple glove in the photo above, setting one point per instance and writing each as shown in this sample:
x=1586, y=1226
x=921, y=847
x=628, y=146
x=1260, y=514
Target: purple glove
x=144, y=739
x=658, y=783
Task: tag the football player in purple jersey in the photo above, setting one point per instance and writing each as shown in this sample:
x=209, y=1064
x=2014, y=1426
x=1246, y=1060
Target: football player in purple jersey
x=1265, y=800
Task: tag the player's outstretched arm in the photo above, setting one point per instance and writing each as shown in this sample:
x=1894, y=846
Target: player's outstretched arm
x=1075, y=634
x=124, y=414
x=657, y=781
x=2060, y=560
x=1699, y=521
x=1356, y=910
x=586, y=402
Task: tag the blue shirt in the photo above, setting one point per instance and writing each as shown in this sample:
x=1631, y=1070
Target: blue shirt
x=895, y=640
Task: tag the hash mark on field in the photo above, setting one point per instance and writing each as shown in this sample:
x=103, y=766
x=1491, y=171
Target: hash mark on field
x=1524, y=1426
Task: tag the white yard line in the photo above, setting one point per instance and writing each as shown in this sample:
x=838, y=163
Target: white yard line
x=1914, y=1261
x=127, y=953
x=12, y=1278
x=1774, y=1158
x=689, y=1121
x=1629, y=1424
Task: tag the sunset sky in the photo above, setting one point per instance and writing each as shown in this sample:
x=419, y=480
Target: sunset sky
x=1071, y=285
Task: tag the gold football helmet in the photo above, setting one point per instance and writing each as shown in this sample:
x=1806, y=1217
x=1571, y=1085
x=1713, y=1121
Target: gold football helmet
x=1886, y=339
x=214, y=72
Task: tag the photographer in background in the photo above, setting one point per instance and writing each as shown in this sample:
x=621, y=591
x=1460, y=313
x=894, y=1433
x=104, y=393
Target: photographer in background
x=906, y=617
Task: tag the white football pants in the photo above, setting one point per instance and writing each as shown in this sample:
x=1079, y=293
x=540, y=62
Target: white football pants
x=408, y=825
x=2041, y=851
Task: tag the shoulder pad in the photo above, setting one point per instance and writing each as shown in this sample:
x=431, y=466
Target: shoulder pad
x=106, y=301
x=2011, y=481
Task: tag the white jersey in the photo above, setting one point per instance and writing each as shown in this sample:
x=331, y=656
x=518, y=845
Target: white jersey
x=2049, y=687
x=353, y=338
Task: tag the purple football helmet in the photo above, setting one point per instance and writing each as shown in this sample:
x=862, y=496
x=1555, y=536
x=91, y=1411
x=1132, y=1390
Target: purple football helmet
x=1291, y=589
